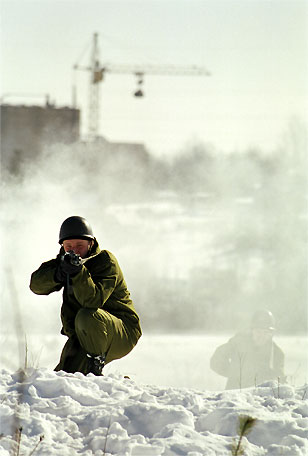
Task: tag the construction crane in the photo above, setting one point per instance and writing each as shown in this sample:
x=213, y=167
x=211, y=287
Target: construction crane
x=98, y=71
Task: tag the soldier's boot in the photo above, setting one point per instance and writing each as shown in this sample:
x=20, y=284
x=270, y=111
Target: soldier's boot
x=96, y=364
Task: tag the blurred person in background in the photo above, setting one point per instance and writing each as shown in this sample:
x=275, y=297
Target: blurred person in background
x=98, y=315
x=252, y=357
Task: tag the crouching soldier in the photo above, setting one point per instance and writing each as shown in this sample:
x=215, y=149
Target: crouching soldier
x=98, y=315
x=252, y=357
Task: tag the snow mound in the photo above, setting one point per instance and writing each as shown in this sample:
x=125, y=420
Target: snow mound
x=113, y=415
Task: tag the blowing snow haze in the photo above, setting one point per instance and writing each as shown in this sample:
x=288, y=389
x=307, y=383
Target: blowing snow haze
x=203, y=241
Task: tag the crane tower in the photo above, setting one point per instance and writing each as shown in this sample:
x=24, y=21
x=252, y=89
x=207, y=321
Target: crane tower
x=98, y=71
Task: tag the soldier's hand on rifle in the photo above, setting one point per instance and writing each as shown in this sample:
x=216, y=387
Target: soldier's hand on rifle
x=60, y=276
x=71, y=263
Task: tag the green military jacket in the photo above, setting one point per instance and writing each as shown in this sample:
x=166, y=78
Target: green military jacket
x=99, y=284
x=244, y=364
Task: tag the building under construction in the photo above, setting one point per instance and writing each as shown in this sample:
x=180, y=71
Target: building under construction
x=26, y=130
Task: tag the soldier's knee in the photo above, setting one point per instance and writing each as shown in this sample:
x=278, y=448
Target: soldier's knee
x=83, y=319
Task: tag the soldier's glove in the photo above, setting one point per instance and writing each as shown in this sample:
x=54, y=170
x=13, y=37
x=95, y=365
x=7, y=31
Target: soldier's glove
x=70, y=263
x=60, y=276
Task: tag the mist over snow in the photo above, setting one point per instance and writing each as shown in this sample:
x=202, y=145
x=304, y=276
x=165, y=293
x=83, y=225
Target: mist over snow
x=203, y=240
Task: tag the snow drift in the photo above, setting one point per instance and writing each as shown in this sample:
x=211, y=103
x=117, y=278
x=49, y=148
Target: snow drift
x=72, y=414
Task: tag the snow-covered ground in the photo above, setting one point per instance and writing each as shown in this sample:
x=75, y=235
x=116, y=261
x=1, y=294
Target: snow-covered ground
x=176, y=360
x=113, y=415
x=172, y=404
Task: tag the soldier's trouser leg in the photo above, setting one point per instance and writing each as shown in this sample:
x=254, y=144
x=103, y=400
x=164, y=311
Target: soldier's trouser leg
x=99, y=332
x=73, y=357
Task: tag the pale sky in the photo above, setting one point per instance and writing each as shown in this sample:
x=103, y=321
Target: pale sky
x=256, y=51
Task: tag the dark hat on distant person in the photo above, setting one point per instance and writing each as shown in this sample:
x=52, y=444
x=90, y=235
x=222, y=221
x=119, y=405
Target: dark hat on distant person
x=263, y=319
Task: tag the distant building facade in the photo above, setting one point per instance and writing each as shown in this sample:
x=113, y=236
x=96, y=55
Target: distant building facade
x=25, y=130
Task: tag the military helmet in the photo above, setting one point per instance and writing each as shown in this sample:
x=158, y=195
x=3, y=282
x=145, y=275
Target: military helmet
x=263, y=319
x=75, y=227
